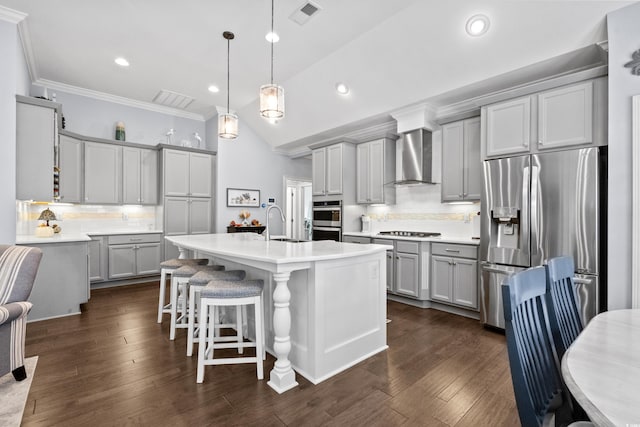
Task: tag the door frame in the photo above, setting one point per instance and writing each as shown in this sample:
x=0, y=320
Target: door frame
x=635, y=226
x=287, y=180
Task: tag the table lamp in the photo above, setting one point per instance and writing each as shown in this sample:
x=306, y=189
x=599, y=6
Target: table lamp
x=45, y=230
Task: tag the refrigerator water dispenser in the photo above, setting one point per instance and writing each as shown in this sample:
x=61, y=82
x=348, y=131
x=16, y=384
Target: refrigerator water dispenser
x=505, y=227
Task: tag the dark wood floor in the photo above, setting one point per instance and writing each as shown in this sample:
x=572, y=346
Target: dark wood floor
x=114, y=365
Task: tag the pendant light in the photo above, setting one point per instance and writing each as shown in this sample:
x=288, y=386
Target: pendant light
x=227, y=122
x=272, y=95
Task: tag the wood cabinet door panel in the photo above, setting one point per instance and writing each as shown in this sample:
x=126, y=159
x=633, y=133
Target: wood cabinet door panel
x=472, y=165
x=122, y=261
x=176, y=173
x=131, y=173
x=452, y=162
x=148, y=258
x=102, y=173
x=318, y=166
x=200, y=216
x=465, y=283
x=509, y=127
x=407, y=273
x=333, y=175
x=200, y=166
x=70, y=160
x=442, y=276
x=565, y=116
x=149, y=177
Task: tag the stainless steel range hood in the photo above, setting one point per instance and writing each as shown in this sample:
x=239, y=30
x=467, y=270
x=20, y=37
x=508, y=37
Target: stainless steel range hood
x=416, y=154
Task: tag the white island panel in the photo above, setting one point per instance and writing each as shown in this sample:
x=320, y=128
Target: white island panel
x=337, y=301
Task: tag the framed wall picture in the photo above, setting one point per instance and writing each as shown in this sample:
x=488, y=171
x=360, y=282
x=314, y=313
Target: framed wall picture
x=243, y=198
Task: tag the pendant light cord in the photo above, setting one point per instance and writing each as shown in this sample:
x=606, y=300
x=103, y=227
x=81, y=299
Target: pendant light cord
x=272, y=41
x=228, y=53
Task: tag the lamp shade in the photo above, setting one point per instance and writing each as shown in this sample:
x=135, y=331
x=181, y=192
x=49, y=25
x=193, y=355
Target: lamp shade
x=47, y=215
x=227, y=126
x=271, y=101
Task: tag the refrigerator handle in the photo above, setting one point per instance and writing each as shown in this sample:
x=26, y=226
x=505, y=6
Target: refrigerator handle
x=578, y=280
x=535, y=176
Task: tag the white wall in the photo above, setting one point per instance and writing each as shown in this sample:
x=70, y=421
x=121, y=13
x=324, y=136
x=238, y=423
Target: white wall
x=624, y=39
x=8, y=82
x=249, y=162
x=98, y=118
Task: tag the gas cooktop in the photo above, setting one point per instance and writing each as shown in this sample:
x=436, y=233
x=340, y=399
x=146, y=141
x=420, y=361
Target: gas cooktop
x=409, y=233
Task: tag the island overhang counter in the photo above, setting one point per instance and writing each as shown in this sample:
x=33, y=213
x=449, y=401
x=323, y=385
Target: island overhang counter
x=325, y=301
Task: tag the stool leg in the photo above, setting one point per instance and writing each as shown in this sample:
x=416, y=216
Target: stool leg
x=202, y=314
x=264, y=329
x=184, y=286
x=174, y=307
x=259, y=337
x=192, y=314
x=163, y=285
x=239, y=328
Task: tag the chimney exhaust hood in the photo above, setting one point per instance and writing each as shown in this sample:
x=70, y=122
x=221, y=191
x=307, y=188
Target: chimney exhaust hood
x=416, y=154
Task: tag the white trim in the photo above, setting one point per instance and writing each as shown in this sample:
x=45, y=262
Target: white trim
x=635, y=227
x=27, y=49
x=117, y=99
x=11, y=15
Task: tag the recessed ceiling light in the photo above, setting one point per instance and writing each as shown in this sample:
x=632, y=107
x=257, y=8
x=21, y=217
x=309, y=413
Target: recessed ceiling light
x=272, y=37
x=214, y=89
x=122, y=62
x=342, y=88
x=477, y=25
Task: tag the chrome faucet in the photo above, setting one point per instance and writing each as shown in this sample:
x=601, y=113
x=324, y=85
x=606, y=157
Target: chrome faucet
x=267, y=234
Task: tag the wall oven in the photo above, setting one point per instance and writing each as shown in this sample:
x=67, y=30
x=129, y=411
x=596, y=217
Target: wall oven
x=327, y=220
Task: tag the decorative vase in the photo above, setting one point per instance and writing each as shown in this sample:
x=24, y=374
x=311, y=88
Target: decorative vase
x=120, y=131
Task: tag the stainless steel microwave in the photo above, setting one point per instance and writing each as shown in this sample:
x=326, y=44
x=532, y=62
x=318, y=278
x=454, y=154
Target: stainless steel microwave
x=327, y=213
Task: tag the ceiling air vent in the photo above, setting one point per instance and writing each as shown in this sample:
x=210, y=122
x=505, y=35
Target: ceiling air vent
x=172, y=99
x=303, y=13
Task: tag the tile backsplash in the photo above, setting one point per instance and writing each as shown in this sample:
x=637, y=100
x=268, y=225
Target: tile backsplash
x=418, y=208
x=88, y=218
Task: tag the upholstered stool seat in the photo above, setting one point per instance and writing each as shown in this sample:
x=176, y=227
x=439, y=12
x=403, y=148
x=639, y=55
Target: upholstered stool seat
x=197, y=282
x=179, y=291
x=167, y=267
x=226, y=293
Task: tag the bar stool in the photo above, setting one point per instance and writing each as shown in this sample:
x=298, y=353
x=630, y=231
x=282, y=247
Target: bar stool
x=225, y=293
x=167, y=267
x=178, y=293
x=196, y=283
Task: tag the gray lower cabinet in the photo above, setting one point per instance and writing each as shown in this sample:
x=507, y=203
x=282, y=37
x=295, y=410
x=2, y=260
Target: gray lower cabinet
x=98, y=259
x=407, y=271
x=391, y=275
x=62, y=282
x=356, y=239
x=185, y=215
x=454, y=270
x=134, y=255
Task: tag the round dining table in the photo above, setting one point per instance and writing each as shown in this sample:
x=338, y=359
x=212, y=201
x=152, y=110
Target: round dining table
x=602, y=368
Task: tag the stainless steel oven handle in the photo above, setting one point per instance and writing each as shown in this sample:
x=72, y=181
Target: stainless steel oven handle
x=327, y=208
x=327, y=228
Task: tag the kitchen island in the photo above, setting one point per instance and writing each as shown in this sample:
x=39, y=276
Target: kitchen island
x=325, y=301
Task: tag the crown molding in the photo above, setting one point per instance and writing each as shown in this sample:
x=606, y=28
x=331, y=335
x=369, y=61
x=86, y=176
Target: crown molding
x=25, y=40
x=102, y=96
x=11, y=15
x=415, y=116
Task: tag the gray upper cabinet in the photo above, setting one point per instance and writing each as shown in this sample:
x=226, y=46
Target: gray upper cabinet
x=139, y=176
x=36, y=137
x=102, y=173
x=461, y=162
x=200, y=168
x=327, y=170
x=508, y=127
x=565, y=116
x=70, y=155
x=187, y=173
x=375, y=167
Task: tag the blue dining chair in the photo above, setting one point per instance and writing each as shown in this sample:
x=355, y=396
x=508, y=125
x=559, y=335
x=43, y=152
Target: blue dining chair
x=538, y=387
x=562, y=299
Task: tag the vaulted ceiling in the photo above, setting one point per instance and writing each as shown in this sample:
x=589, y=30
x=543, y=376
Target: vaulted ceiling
x=390, y=53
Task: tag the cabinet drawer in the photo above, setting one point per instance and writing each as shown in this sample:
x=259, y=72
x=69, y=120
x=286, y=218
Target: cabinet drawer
x=123, y=239
x=452, y=249
x=385, y=242
x=356, y=239
x=408, y=247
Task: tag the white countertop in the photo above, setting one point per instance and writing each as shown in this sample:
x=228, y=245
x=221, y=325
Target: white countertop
x=120, y=232
x=252, y=246
x=56, y=238
x=443, y=239
x=65, y=237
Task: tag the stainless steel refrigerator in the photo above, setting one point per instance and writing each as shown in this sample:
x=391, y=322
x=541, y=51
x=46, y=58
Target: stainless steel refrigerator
x=539, y=206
